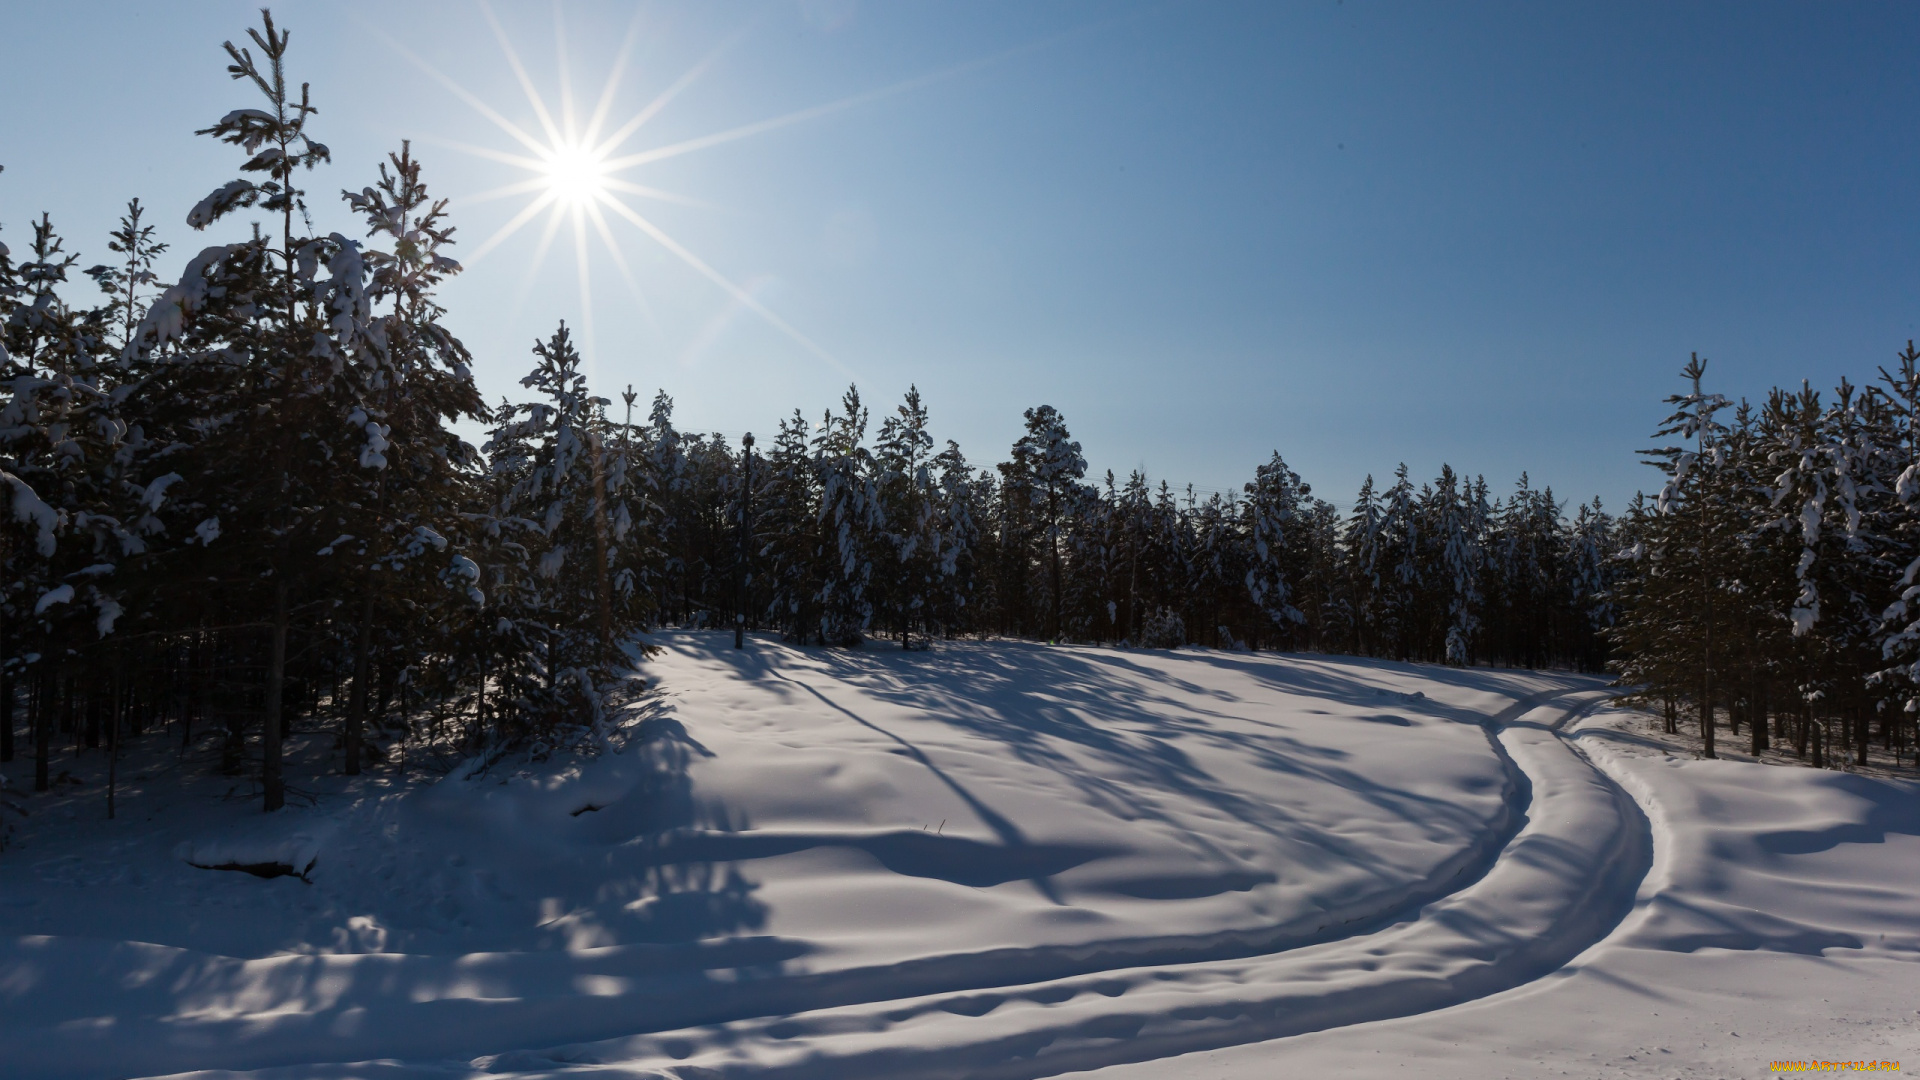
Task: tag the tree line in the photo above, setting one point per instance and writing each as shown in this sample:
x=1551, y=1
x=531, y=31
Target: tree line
x=1772, y=579
x=237, y=508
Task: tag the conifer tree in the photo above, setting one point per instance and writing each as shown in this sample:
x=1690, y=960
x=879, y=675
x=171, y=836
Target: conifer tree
x=1049, y=464
x=562, y=621
x=1698, y=551
x=911, y=570
x=851, y=521
x=789, y=523
x=1274, y=524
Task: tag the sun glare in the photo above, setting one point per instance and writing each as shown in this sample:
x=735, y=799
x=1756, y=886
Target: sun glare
x=577, y=168
x=576, y=175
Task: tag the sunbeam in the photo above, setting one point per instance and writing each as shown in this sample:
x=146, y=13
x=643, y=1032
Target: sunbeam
x=539, y=255
x=586, y=284
x=575, y=172
x=614, y=76
x=576, y=175
x=721, y=280
x=620, y=260
x=526, y=214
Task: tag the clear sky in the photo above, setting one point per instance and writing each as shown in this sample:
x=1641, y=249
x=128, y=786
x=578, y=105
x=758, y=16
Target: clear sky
x=1356, y=232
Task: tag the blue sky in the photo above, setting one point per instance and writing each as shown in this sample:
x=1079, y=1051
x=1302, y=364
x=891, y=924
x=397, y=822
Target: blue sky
x=1355, y=232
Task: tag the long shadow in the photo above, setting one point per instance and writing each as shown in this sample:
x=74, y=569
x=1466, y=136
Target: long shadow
x=1010, y=835
x=1896, y=810
x=629, y=926
x=1040, y=703
x=672, y=891
x=1751, y=931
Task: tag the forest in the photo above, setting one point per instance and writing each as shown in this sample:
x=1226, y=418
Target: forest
x=237, y=507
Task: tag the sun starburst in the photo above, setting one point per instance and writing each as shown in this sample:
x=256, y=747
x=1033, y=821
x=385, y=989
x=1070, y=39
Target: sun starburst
x=577, y=173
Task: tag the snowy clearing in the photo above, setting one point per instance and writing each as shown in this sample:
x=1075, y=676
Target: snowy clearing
x=995, y=859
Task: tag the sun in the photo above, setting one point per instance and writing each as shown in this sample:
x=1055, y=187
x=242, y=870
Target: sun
x=577, y=173
x=578, y=169
x=576, y=176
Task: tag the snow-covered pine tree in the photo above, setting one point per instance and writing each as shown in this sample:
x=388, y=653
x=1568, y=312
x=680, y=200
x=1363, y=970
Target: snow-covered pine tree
x=1830, y=495
x=1899, y=631
x=1401, y=578
x=1364, y=544
x=564, y=612
x=959, y=500
x=1321, y=595
x=1222, y=561
x=850, y=523
x=1273, y=513
x=58, y=435
x=1172, y=562
x=126, y=281
x=267, y=466
x=1700, y=559
x=1592, y=574
x=908, y=582
x=1133, y=510
x=1049, y=461
x=406, y=477
x=669, y=488
x=1462, y=556
x=789, y=521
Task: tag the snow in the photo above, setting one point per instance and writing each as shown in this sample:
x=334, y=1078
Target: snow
x=28, y=507
x=59, y=594
x=993, y=859
x=155, y=492
x=1780, y=922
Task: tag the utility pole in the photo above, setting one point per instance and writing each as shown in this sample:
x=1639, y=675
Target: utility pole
x=740, y=577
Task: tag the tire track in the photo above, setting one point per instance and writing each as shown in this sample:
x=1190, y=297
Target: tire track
x=1563, y=882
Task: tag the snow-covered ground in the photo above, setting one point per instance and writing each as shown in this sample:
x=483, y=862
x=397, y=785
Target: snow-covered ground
x=995, y=859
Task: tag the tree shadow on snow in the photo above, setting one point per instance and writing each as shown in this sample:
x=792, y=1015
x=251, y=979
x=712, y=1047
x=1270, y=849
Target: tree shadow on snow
x=1114, y=726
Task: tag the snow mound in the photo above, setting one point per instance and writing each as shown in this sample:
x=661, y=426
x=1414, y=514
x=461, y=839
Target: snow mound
x=294, y=855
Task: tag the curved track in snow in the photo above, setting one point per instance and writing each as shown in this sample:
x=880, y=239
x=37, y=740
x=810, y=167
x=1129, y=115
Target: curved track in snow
x=1560, y=884
x=1551, y=877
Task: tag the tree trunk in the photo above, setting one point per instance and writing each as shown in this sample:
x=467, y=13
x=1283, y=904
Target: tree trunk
x=6, y=710
x=191, y=689
x=272, y=783
x=600, y=546
x=357, y=703
x=92, y=728
x=1053, y=545
x=40, y=712
x=1758, y=721
x=113, y=746
x=1706, y=717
